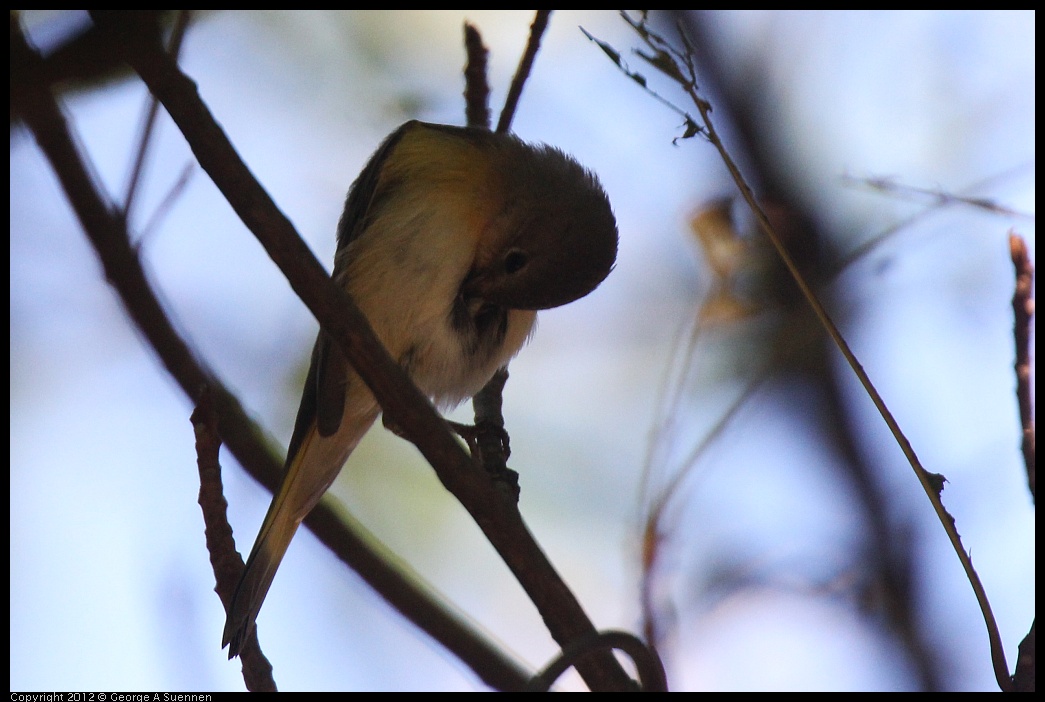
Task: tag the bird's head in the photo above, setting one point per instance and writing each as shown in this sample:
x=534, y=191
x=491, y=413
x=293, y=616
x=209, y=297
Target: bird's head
x=554, y=239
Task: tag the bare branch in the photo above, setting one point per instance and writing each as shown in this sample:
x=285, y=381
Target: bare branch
x=476, y=87
x=1023, y=311
x=225, y=561
x=540, y=23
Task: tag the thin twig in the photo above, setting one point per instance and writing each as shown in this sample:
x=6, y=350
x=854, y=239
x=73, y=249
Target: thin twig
x=1023, y=311
x=872, y=242
x=476, y=87
x=490, y=437
x=225, y=561
x=936, y=196
x=181, y=24
x=540, y=23
x=647, y=662
x=167, y=203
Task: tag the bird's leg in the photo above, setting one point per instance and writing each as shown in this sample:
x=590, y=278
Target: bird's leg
x=488, y=444
x=484, y=434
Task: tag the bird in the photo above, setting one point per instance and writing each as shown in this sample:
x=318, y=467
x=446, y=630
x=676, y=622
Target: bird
x=451, y=239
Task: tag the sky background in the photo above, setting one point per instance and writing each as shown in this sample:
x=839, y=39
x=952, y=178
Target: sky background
x=111, y=588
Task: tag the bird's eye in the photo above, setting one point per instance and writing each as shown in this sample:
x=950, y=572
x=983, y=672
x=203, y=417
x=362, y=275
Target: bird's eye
x=515, y=260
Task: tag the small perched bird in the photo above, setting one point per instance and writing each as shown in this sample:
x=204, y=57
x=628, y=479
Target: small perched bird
x=451, y=239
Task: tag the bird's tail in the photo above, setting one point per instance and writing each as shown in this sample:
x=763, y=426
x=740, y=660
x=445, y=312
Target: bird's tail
x=311, y=471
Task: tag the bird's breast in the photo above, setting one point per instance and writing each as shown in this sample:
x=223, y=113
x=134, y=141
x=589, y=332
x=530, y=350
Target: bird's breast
x=409, y=288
